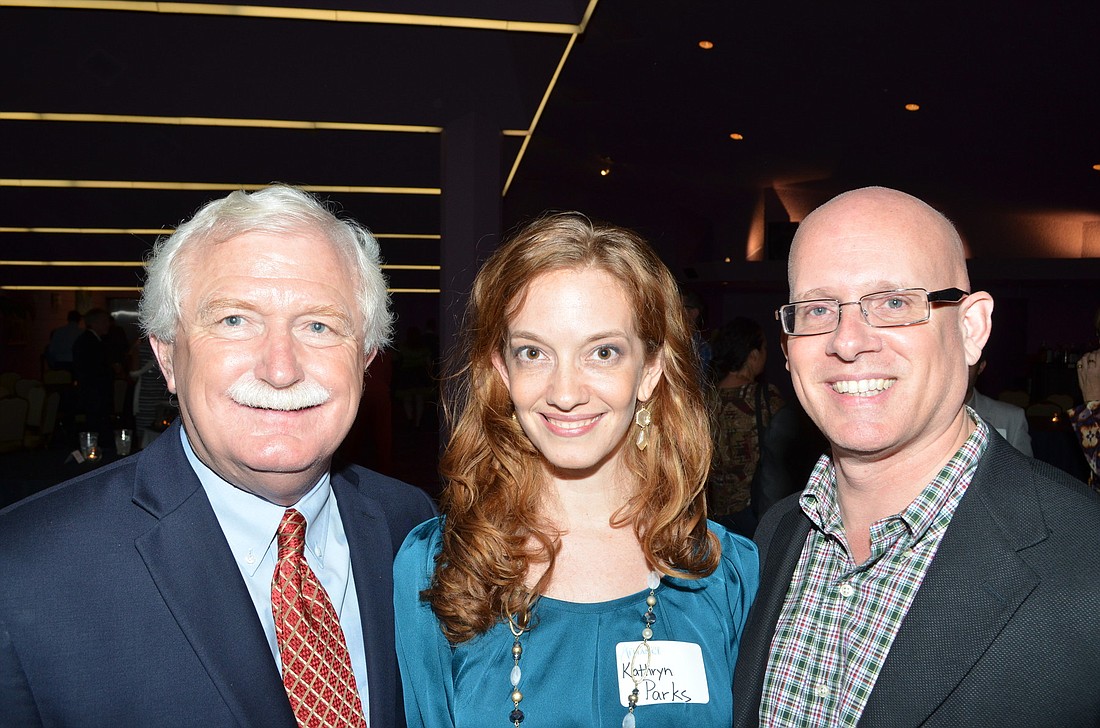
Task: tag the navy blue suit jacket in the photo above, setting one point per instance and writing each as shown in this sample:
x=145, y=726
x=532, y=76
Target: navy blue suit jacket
x=1005, y=629
x=121, y=604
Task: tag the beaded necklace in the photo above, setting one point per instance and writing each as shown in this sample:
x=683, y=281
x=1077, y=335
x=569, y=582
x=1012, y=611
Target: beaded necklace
x=653, y=580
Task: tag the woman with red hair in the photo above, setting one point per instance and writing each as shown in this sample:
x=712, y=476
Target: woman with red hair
x=572, y=578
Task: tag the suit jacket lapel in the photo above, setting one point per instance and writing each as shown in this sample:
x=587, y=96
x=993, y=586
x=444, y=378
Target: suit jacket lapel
x=783, y=552
x=372, y=568
x=975, y=583
x=190, y=562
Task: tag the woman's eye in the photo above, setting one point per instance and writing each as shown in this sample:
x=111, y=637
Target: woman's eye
x=604, y=353
x=528, y=353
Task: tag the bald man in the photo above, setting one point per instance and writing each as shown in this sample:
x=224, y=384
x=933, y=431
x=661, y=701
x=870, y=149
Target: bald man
x=929, y=574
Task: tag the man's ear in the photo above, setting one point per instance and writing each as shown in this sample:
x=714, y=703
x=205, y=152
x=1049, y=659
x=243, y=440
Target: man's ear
x=976, y=320
x=786, y=357
x=163, y=351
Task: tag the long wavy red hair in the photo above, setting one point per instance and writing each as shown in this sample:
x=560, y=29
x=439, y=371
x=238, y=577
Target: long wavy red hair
x=494, y=475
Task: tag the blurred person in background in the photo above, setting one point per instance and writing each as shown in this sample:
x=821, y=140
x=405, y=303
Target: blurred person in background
x=1085, y=418
x=1007, y=419
x=745, y=407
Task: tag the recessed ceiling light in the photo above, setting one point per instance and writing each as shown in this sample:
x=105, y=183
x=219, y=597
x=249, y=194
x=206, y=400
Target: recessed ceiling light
x=605, y=171
x=912, y=107
x=706, y=45
x=737, y=137
x=727, y=260
x=1096, y=167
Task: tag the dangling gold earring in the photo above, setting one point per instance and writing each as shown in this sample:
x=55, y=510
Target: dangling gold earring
x=643, y=419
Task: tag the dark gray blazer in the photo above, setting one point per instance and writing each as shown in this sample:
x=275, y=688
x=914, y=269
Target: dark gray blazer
x=1005, y=630
x=121, y=605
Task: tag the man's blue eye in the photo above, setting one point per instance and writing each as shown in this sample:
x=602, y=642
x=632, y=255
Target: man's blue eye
x=233, y=320
x=318, y=328
x=896, y=303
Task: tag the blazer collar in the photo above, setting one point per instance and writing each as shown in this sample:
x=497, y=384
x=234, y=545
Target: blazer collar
x=190, y=562
x=779, y=557
x=371, y=545
x=974, y=585
x=164, y=477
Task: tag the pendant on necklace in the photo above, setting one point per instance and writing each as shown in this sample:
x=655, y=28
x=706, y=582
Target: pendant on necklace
x=649, y=618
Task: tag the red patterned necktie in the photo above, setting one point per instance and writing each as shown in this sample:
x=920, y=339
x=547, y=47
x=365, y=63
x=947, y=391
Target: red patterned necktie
x=316, y=666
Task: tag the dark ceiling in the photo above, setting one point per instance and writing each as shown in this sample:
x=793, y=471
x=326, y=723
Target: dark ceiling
x=1004, y=142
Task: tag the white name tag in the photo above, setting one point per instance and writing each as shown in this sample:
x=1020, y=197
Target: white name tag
x=672, y=672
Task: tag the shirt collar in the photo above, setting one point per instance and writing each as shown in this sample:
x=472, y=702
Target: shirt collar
x=250, y=522
x=819, y=502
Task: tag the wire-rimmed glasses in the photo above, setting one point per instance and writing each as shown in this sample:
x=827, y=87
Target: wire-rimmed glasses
x=882, y=310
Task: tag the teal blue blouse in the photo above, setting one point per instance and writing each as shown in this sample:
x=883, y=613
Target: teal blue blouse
x=569, y=663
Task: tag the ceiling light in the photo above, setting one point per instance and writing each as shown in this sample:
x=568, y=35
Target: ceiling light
x=77, y=263
x=737, y=137
x=209, y=186
x=313, y=14
x=605, y=171
x=88, y=231
x=706, y=45
x=70, y=288
x=727, y=260
x=1096, y=167
x=912, y=107
x=169, y=231
x=225, y=121
x=138, y=288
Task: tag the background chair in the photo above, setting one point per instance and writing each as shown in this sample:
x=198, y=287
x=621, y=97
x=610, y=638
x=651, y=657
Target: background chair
x=36, y=400
x=13, y=423
x=8, y=380
x=1062, y=400
x=41, y=436
x=1018, y=397
x=1045, y=410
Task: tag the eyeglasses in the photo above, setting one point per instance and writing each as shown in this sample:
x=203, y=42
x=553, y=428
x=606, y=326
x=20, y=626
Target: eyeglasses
x=882, y=310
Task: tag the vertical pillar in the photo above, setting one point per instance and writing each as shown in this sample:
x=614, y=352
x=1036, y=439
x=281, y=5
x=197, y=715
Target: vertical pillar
x=471, y=214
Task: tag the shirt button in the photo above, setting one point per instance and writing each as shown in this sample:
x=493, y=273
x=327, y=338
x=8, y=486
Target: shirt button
x=846, y=590
x=821, y=690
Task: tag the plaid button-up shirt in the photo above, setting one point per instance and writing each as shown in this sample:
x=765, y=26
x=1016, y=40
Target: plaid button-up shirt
x=840, y=618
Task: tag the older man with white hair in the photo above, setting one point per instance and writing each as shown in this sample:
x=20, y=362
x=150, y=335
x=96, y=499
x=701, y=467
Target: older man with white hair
x=228, y=575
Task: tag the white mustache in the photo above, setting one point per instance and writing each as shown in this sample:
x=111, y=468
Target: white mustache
x=254, y=393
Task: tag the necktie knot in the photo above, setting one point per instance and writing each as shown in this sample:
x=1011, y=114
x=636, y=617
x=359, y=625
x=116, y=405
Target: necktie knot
x=291, y=534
